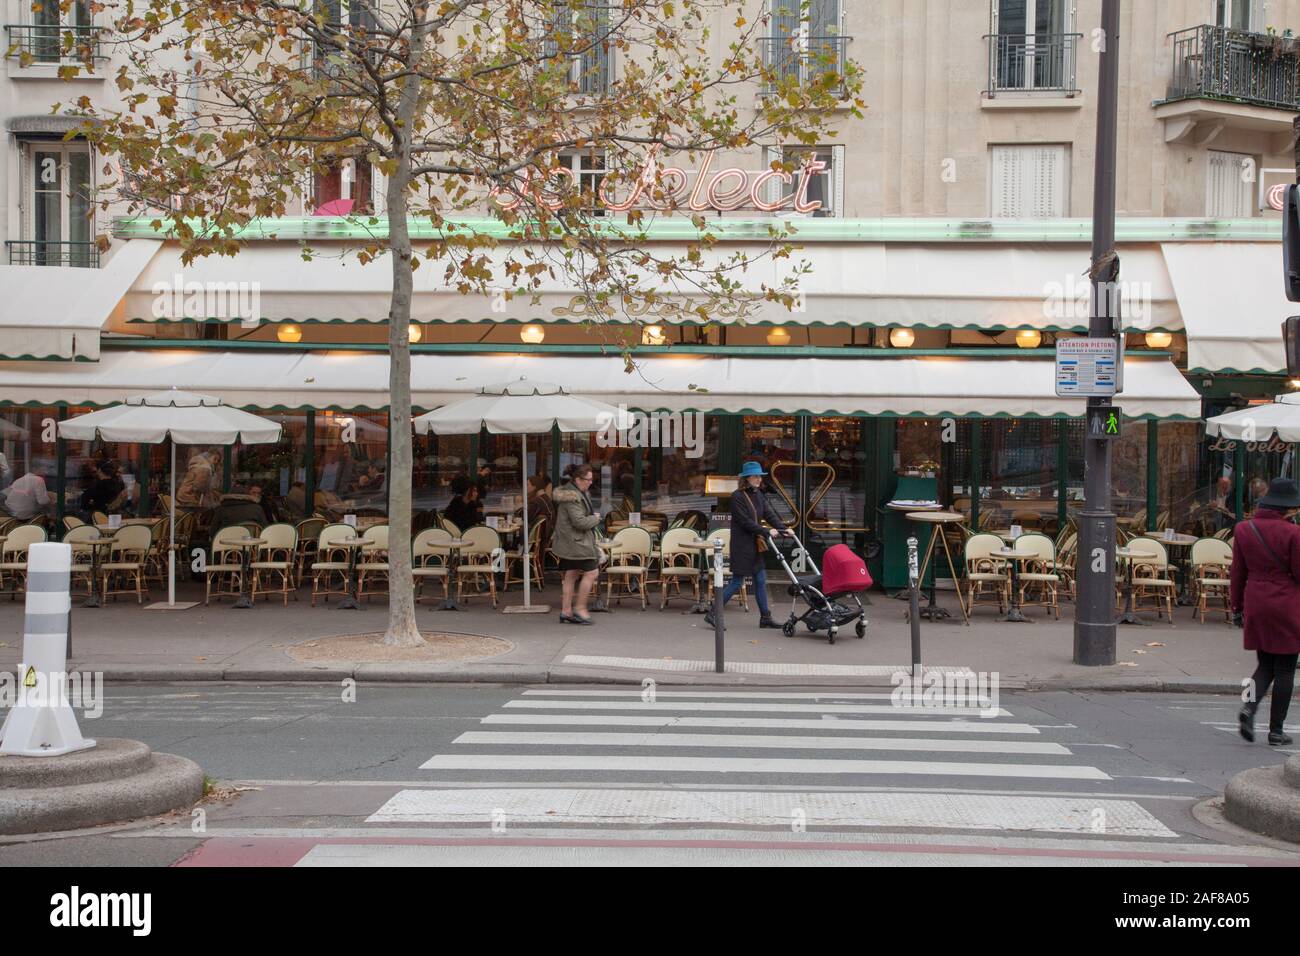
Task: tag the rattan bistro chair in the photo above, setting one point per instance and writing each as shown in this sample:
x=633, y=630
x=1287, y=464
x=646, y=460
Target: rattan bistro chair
x=225, y=565
x=372, y=563
x=1152, y=580
x=127, y=560
x=13, y=557
x=1039, y=576
x=985, y=572
x=332, y=560
x=276, y=556
x=677, y=564
x=1210, y=563
x=476, y=561
x=629, y=564
x=430, y=561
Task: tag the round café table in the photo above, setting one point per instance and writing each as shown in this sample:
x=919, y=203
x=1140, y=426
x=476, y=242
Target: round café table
x=247, y=546
x=1130, y=615
x=936, y=519
x=453, y=553
x=1014, y=559
x=1182, y=543
x=96, y=545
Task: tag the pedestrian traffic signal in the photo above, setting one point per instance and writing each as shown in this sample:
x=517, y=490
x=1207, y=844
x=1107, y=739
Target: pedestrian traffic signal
x=1291, y=244
x=1104, y=422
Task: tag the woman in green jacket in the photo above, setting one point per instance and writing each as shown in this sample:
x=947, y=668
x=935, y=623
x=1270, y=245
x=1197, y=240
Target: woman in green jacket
x=574, y=542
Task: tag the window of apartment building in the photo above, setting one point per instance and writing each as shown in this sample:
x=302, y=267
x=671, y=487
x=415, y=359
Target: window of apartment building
x=1237, y=14
x=1229, y=185
x=56, y=214
x=587, y=27
x=1032, y=46
x=43, y=36
x=343, y=19
x=804, y=41
x=587, y=168
x=825, y=186
x=348, y=178
x=1029, y=182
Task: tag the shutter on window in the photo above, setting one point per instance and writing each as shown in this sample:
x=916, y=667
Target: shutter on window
x=782, y=58
x=837, y=179
x=1008, y=183
x=596, y=60
x=24, y=187
x=1227, y=193
x=1048, y=183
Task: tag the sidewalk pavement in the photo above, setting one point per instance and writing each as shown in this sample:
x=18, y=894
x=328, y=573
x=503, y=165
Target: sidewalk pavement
x=219, y=643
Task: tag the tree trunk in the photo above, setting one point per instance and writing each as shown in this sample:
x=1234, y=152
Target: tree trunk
x=402, y=630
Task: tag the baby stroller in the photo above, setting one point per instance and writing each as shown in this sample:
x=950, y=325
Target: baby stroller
x=845, y=576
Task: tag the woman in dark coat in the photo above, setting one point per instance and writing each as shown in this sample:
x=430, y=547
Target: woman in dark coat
x=749, y=508
x=1266, y=590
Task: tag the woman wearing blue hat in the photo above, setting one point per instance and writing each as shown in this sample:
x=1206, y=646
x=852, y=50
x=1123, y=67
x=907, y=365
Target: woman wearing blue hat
x=749, y=508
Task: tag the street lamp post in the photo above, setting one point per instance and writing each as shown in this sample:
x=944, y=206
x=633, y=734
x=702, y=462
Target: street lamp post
x=1094, y=623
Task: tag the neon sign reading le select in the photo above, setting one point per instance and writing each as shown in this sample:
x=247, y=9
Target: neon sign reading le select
x=726, y=189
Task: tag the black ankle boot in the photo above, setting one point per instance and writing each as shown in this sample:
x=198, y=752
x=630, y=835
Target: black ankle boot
x=712, y=621
x=1276, y=738
x=768, y=621
x=1246, y=722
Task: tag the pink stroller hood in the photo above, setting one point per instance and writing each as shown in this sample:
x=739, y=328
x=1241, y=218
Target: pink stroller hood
x=843, y=571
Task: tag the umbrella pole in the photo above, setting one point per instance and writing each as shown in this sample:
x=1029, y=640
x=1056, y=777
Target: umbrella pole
x=525, y=555
x=171, y=533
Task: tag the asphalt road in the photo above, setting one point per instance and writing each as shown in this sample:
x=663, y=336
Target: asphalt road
x=463, y=774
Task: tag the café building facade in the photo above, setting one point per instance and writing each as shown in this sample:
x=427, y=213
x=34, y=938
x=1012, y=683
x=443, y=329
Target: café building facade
x=918, y=348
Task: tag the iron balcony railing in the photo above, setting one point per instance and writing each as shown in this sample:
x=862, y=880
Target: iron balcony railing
x=1217, y=63
x=1044, y=62
x=44, y=42
x=38, y=252
x=803, y=58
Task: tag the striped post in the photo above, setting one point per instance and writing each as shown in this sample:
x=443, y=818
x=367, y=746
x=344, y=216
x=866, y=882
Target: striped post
x=41, y=723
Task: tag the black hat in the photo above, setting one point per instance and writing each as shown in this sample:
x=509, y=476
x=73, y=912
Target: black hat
x=1283, y=493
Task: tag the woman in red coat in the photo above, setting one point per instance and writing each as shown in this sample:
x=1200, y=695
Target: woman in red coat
x=1266, y=589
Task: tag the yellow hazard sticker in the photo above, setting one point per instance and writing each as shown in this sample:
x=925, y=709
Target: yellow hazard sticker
x=29, y=680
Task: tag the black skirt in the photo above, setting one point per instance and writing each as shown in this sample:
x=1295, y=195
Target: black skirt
x=579, y=564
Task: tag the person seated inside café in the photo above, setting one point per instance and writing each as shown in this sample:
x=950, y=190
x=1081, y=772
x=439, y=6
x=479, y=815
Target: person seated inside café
x=540, y=506
x=465, y=510
x=104, y=491
x=238, y=507
x=295, y=502
x=28, y=496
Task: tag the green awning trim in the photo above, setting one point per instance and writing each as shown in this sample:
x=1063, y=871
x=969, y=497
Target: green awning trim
x=748, y=351
x=938, y=327
x=680, y=228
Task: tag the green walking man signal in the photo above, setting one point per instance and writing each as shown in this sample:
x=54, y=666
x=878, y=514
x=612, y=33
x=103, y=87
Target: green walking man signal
x=1104, y=422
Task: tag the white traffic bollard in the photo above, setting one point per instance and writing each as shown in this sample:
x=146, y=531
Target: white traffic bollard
x=41, y=723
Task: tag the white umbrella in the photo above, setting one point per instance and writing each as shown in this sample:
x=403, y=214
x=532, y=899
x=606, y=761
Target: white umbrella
x=186, y=418
x=1260, y=422
x=521, y=407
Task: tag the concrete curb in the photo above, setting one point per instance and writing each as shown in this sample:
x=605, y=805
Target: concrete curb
x=399, y=672
x=111, y=759
x=1264, y=801
x=165, y=783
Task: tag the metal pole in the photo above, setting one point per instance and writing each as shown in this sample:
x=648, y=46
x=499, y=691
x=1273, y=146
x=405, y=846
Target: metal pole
x=524, y=551
x=718, y=626
x=171, y=550
x=914, y=602
x=1094, y=624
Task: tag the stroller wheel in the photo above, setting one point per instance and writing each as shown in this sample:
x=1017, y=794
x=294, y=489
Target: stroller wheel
x=788, y=628
x=861, y=629
x=830, y=635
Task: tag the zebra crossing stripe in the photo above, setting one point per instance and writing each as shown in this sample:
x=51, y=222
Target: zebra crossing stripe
x=955, y=726
x=752, y=707
x=516, y=807
x=765, y=765
x=715, y=695
x=744, y=741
